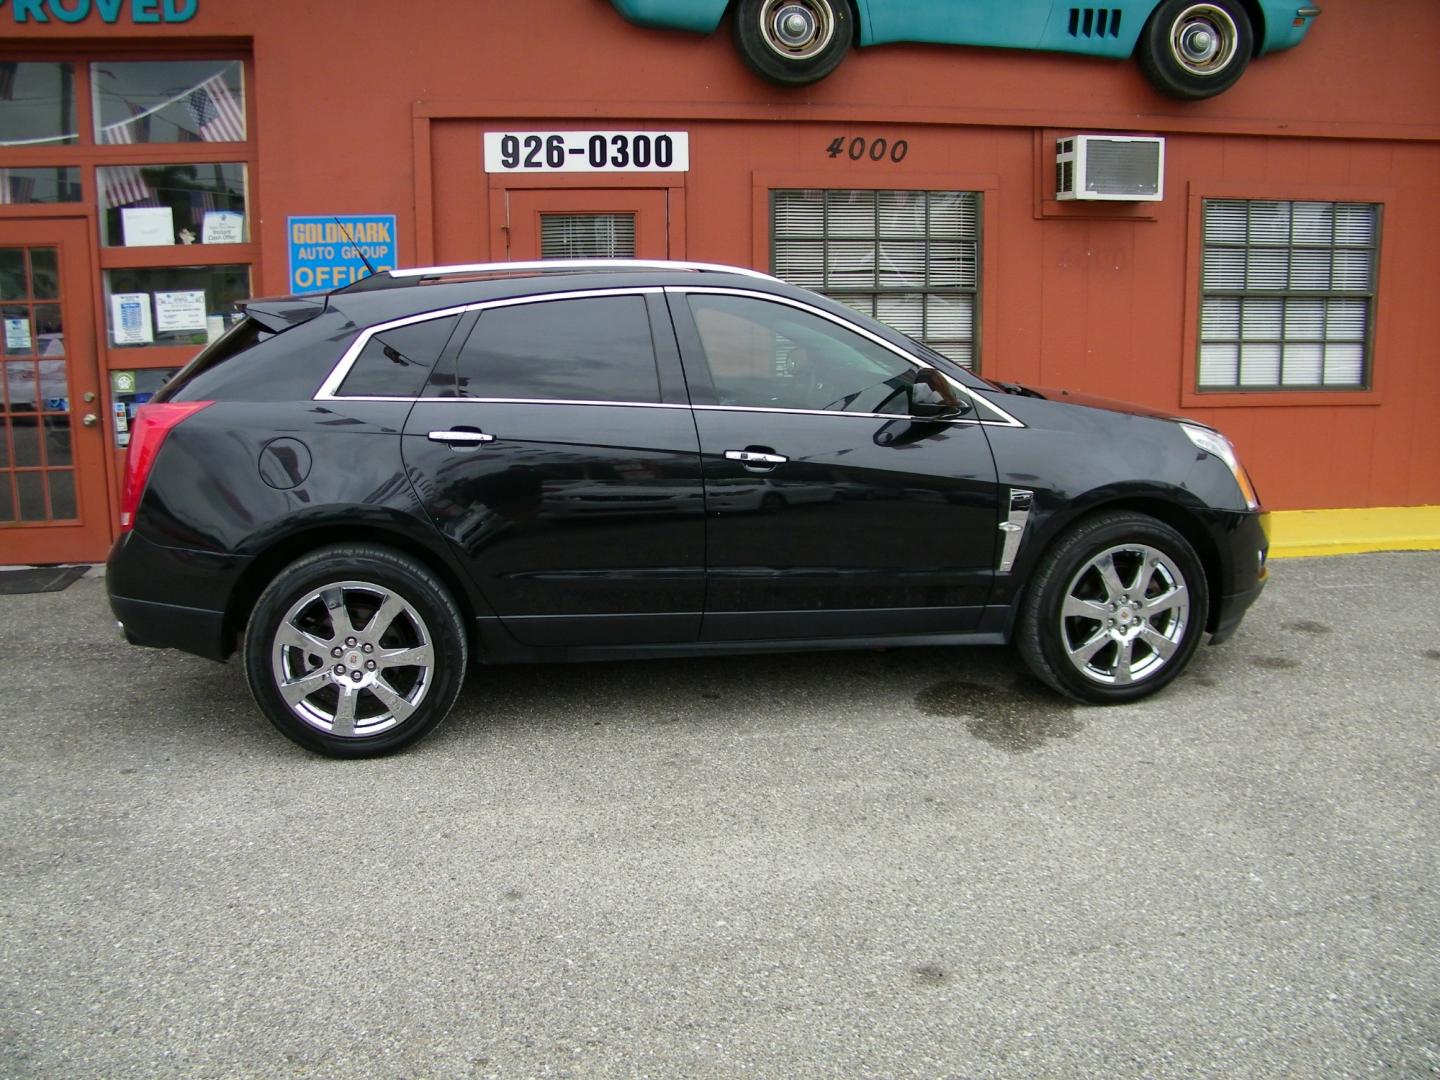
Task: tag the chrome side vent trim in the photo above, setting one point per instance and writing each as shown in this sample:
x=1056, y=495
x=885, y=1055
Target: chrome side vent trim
x=1094, y=22
x=1021, y=500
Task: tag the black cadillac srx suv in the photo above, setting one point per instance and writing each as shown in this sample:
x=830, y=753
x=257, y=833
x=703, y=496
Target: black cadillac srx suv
x=363, y=492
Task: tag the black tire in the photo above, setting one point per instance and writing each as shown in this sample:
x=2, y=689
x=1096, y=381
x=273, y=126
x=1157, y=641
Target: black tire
x=825, y=31
x=350, y=693
x=1144, y=620
x=1173, y=58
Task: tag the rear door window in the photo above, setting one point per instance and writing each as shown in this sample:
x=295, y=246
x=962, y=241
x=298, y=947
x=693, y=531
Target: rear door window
x=583, y=349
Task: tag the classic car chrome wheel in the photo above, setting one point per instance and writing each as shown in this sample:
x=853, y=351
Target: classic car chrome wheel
x=793, y=42
x=797, y=29
x=1115, y=609
x=355, y=650
x=1203, y=39
x=1195, y=50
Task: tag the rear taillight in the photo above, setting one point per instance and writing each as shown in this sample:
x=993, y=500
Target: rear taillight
x=152, y=423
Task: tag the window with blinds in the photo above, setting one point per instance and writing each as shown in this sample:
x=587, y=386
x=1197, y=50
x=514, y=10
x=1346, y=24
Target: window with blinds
x=908, y=258
x=1288, y=294
x=587, y=236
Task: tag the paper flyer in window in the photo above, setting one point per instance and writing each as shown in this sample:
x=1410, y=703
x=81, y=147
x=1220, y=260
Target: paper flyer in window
x=130, y=322
x=17, y=334
x=148, y=226
x=180, y=310
x=222, y=227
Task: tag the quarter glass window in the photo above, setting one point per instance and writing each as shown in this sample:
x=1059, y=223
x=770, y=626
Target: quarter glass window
x=395, y=363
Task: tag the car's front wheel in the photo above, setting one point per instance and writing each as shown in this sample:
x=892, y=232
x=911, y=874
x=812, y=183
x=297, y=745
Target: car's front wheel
x=1116, y=609
x=793, y=42
x=1196, y=50
x=355, y=650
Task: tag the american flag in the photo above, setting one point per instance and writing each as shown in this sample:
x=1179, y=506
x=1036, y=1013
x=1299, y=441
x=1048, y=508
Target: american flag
x=123, y=185
x=219, y=117
x=16, y=189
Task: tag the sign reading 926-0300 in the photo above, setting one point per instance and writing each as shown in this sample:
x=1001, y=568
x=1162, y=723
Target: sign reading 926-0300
x=586, y=151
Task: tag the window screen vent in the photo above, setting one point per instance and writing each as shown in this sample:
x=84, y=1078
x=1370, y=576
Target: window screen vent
x=587, y=236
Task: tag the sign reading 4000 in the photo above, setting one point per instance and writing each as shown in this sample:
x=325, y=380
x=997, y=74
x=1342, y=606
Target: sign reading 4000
x=586, y=151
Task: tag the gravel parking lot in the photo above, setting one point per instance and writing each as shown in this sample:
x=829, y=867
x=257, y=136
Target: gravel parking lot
x=908, y=863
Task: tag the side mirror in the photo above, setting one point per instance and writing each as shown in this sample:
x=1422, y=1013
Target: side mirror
x=931, y=397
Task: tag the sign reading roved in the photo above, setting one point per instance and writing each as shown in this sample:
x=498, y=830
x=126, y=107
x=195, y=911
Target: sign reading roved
x=139, y=12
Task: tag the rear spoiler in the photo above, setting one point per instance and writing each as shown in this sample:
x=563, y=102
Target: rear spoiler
x=281, y=313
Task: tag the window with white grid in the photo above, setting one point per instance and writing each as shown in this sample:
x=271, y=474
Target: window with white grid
x=1288, y=294
x=908, y=258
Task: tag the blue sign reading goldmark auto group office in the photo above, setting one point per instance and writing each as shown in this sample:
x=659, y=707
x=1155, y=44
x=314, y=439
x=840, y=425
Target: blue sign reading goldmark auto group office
x=139, y=12
x=330, y=251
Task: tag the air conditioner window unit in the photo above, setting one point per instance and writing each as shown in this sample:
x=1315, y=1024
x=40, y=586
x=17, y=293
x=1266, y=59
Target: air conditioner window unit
x=1120, y=168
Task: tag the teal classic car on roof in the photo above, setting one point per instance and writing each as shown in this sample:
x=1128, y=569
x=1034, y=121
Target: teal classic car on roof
x=1186, y=49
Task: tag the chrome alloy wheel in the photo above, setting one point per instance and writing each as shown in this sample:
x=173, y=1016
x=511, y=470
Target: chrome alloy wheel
x=1203, y=39
x=352, y=659
x=1124, y=614
x=797, y=29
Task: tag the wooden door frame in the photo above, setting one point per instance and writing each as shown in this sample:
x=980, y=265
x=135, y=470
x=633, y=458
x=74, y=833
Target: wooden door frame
x=500, y=186
x=580, y=200
x=94, y=471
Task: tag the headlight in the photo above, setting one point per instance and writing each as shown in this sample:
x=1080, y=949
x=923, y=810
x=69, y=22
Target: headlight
x=1212, y=442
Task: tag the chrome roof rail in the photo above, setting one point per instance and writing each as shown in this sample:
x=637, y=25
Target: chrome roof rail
x=575, y=264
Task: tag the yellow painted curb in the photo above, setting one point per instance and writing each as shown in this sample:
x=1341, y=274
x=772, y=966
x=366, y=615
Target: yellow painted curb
x=1295, y=533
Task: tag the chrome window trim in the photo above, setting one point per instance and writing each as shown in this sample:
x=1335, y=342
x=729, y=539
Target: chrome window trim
x=538, y=401
x=834, y=413
x=330, y=387
x=1004, y=418
x=579, y=264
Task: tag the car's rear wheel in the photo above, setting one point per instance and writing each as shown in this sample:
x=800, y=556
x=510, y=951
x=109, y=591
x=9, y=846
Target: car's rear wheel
x=1196, y=50
x=1116, y=609
x=793, y=42
x=355, y=650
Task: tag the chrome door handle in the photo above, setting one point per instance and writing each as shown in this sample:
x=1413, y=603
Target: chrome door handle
x=754, y=457
x=475, y=437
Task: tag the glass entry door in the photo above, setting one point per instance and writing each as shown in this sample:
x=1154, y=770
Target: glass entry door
x=53, y=505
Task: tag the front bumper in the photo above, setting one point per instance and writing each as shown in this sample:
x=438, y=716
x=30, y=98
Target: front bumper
x=1250, y=571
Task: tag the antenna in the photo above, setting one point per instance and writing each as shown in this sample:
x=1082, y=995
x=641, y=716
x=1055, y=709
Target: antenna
x=353, y=244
